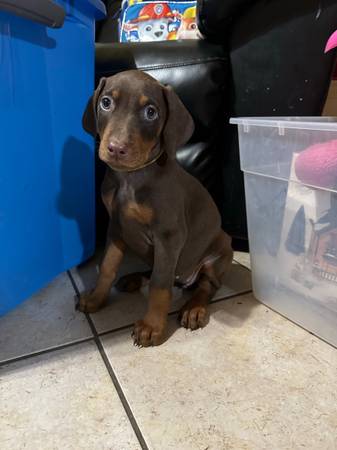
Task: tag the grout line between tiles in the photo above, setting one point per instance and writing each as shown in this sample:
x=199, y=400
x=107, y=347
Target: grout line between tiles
x=43, y=352
x=239, y=294
x=242, y=265
x=116, y=330
x=112, y=374
x=119, y=389
x=172, y=313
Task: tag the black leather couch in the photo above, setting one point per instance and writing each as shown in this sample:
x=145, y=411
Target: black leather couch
x=258, y=58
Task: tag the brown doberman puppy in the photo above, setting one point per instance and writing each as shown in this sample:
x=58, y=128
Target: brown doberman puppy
x=156, y=208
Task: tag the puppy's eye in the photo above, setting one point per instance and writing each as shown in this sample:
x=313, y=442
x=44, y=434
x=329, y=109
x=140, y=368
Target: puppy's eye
x=148, y=28
x=106, y=103
x=162, y=27
x=150, y=112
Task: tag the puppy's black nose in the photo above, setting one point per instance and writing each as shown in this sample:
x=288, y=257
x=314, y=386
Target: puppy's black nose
x=158, y=33
x=117, y=149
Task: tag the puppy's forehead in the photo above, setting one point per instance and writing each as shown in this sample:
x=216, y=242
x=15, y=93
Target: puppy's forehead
x=137, y=84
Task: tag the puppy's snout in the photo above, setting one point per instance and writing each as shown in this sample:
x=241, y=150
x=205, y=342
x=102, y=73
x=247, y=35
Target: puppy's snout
x=158, y=33
x=117, y=149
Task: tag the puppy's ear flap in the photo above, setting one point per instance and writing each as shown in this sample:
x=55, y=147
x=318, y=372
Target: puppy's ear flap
x=179, y=124
x=89, y=119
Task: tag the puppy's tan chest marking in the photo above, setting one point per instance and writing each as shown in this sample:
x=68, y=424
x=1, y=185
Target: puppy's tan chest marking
x=136, y=211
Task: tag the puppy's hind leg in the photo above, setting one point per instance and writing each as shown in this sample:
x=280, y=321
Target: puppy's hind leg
x=194, y=314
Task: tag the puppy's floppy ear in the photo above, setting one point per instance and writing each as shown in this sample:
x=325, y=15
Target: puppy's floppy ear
x=179, y=124
x=89, y=119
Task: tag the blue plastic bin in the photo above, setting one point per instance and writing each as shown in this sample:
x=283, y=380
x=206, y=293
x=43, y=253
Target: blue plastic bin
x=47, y=203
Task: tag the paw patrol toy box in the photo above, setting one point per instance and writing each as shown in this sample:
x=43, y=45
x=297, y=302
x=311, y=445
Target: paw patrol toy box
x=145, y=21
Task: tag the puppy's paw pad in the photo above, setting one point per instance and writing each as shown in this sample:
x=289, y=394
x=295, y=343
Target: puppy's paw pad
x=194, y=318
x=145, y=335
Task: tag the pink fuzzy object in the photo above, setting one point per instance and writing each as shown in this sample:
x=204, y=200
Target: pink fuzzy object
x=317, y=165
x=332, y=42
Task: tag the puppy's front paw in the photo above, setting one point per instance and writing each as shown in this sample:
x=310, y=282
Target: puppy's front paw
x=90, y=302
x=145, y=335
x=194, y=317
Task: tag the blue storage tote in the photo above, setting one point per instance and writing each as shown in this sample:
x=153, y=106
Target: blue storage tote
x=47, y=212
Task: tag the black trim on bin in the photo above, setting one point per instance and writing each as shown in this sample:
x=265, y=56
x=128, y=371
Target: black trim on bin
x=45, y=12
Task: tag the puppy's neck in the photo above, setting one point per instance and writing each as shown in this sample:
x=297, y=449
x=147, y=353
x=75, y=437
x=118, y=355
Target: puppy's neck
x=157, y=153
x=145, y=175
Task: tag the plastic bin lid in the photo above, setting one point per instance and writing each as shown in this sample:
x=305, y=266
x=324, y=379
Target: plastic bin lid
x=51, y=12
x=300, y=123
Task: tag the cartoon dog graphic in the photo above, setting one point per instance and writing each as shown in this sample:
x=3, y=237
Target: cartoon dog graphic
x=153, y=22
x=188, y=27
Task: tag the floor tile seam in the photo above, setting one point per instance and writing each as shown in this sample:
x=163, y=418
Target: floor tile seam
x=172, y=313
x=46, y=351
x=111, y=372
x=242, y=265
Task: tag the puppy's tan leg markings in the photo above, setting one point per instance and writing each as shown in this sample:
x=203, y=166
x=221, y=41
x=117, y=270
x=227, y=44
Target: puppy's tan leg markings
x=92, y=301
x=151, y=330
x=194, y=314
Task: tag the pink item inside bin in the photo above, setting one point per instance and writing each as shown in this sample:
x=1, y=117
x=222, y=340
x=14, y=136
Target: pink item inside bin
x=317, y=165
x=332, y=42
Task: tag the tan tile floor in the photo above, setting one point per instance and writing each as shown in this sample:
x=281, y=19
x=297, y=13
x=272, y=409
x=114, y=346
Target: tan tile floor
x=249, y=380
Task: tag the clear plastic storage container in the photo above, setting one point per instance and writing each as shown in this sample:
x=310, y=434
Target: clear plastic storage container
x=290, y=172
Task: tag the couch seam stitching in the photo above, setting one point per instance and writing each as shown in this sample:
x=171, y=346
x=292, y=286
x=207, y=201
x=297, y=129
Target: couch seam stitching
x=171, y=66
